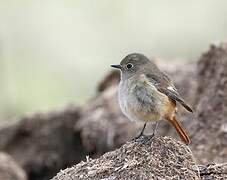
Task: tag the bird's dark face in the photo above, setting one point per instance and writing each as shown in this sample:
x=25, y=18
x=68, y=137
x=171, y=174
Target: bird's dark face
x=132, y=64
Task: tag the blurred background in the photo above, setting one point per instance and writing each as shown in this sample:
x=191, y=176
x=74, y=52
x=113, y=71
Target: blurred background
x=53, y=53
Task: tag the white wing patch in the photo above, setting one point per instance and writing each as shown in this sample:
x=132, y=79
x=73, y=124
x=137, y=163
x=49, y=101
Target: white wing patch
x=171, y=88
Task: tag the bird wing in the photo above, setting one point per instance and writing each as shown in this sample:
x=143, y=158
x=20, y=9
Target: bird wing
x=164, y=85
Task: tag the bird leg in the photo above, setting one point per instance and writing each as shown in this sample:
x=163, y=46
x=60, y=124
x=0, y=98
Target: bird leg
x=147, y=138
x=141, y=133
x=154, y=129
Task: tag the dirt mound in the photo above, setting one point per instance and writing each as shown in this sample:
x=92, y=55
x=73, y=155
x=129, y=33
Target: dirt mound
x=160, y=158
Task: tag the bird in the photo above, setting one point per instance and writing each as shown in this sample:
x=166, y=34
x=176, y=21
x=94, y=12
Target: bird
x=146, y=94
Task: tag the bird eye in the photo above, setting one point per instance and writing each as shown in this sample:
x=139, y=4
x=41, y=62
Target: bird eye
x=129, y=66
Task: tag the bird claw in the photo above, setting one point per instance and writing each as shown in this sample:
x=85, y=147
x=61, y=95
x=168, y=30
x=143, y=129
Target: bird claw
x=147, y=139
x=144, y=139
x=138, y=137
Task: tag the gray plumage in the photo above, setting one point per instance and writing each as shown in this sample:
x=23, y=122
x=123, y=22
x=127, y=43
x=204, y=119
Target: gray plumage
x=144, y=87
x=147, y=94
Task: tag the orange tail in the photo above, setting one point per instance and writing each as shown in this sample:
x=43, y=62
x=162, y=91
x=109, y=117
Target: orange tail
x=181, y=132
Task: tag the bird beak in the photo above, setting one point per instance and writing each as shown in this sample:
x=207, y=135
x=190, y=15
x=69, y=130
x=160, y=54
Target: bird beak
x=116, y=66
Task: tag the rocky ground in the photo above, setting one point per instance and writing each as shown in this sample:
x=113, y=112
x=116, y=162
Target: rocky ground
x=160, y=158
x=43, y=144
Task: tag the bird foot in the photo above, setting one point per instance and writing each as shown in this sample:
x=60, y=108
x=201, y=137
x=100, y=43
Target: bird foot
x=144, y=139
x=147, y=139
x=138, y=137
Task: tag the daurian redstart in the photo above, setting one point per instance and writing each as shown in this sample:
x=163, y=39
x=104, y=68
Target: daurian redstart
x=147, y=94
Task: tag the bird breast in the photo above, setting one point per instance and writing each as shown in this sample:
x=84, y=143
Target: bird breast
x=140, y=101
